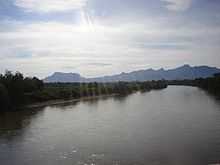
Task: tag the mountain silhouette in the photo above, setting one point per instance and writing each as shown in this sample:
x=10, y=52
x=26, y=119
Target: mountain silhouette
x=180, y=73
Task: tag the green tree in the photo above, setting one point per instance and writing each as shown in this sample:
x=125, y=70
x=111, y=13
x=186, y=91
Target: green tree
x=4, y=98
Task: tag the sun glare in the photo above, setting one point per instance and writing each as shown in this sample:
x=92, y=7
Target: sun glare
x=86, y=23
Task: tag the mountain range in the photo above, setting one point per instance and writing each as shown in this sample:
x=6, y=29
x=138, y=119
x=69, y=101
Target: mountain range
x=180, y=73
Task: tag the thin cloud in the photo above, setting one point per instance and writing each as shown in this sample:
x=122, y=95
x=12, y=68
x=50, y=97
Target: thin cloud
x=46, y=6
x=178, y=5
x=98, y=64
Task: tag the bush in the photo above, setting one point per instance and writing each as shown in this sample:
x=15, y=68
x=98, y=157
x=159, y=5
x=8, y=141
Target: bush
x=16, y=90
x=4, y=98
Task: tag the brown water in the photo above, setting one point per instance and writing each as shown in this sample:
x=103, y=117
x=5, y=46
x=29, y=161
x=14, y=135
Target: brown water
x=174, y=126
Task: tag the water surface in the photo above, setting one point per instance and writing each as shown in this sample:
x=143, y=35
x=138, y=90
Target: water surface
x=174, y=126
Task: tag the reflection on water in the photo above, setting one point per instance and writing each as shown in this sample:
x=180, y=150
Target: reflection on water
x=177, y=125
x=16, y=122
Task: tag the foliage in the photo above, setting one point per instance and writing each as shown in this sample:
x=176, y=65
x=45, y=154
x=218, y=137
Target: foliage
x=14, y=89
x=4, y=98
x=77, y=90
x=17, y=91
x=211, y=84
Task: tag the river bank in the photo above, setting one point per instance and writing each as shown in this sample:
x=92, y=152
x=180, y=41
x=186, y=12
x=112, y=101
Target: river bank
x=33, y=93
x=61, y=101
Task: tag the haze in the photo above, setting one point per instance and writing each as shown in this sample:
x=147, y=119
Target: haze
x=103, y=37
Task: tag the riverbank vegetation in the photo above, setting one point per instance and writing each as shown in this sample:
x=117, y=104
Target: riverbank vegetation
x=211, y=84
x=17, y=90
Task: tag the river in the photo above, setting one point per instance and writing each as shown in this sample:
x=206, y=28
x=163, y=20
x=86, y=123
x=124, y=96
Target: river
x=174, y=126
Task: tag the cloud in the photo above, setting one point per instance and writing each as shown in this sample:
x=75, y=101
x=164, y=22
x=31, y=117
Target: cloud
x=98, y=64
x=178, y=5
x=41, y=48
x=46, y=6
x=63, y=38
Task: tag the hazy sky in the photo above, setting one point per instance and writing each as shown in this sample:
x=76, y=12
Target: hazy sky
x=104, y=37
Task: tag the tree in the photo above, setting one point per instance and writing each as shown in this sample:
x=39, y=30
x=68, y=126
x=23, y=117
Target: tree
x=17, y=90
x=4, y=98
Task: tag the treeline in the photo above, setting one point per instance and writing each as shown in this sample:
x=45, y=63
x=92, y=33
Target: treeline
x=17, y=90
x=211, y=84
x=54, y=91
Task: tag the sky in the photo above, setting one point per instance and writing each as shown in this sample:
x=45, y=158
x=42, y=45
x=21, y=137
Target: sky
x=105, y=37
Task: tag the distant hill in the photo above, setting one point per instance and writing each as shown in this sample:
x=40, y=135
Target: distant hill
x=180, y=73
x=65, y=77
